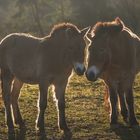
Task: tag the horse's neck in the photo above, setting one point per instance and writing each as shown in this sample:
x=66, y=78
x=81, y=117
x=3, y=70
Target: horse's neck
x=58, y=57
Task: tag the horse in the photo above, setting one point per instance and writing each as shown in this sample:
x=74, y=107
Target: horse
x=44, y=61
x=114, y=56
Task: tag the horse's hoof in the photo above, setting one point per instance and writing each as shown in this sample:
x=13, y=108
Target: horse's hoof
x=67, y=135
x=20, y=122
x=135, y=127
x=134, y=124
x=11, y=133
x=40, y=132
x=22, y=125
x=126, y=120
x=11, y=136
x=114, y=126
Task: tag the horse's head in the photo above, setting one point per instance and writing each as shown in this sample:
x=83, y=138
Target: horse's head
x=77, y=45
x=100, y=52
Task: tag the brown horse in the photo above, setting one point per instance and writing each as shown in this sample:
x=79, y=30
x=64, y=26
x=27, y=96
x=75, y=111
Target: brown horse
x=114, y=56
x=43, y=61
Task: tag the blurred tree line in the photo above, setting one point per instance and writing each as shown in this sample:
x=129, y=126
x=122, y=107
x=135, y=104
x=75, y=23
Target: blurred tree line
x=38, y=16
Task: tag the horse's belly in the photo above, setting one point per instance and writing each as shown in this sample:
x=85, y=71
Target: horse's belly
x=27, y=79
x=27, y=74
x=27, y=70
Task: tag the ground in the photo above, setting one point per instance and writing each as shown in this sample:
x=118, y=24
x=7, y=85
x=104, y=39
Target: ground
x=86, y=114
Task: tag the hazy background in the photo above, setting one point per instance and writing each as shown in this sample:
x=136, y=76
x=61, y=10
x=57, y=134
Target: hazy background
x=38, y=16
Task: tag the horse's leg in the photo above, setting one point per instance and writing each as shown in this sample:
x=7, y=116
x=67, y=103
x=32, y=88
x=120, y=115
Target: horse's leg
x=6, y=79
x=130, y=104
x=114, y=112
x=124, y=111
x=43, y=87
x=17, y=85
x=60, y=100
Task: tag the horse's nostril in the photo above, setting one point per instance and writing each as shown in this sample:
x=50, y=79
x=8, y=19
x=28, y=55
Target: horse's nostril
x=90, y=76
x=78, y=70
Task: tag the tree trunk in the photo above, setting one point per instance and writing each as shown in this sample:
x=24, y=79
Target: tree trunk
x=35, y=12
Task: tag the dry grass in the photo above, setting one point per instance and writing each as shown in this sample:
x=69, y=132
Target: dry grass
x=85, y=112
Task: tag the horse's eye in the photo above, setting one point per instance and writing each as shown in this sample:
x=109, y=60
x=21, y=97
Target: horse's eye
x=90, y=49
x=102, y=50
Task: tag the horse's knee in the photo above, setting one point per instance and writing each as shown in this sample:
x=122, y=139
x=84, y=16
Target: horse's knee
x=14, y=98
x=6, y=98
x=114, y=112
x=60, y=101
x=61, y=105
x=43, y=105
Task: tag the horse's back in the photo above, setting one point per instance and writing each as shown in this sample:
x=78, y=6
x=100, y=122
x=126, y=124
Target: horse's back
x=20, y=53
x=20, y=41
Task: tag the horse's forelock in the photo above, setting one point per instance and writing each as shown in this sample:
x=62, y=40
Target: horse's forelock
x=64, y=27
x=107, y=27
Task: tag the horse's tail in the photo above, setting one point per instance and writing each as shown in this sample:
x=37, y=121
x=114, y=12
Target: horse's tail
x=106, y=99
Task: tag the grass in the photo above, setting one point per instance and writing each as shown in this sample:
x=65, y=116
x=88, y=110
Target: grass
x=85, y=112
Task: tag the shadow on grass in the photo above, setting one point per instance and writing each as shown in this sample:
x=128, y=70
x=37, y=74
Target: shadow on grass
x=18, y=135
x=44, y=137
x=127, y=133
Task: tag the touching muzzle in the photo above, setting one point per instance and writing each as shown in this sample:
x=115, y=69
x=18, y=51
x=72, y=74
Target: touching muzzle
x=79, y=68
x=92, y=73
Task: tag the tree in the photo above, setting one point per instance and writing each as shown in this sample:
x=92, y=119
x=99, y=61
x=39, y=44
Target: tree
x=34, y=10
x=128, y=10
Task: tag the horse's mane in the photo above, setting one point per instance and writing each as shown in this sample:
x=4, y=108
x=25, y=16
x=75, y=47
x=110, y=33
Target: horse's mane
x=131, y=33
x=107, y=27
x=63, y=27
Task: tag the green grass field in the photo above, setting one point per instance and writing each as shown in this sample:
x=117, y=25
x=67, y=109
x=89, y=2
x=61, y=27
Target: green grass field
x=85, y=112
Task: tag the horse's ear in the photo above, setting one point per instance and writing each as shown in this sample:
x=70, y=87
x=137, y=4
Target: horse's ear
x=85, y=31
x=119, y=21
x=88, y=39
x=90, y=34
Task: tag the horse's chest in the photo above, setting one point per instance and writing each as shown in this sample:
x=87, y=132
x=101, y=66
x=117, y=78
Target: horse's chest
x=117, y=75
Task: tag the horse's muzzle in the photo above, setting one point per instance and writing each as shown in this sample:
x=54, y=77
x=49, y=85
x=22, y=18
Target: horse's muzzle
x=91, y=76
x=79, y=69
